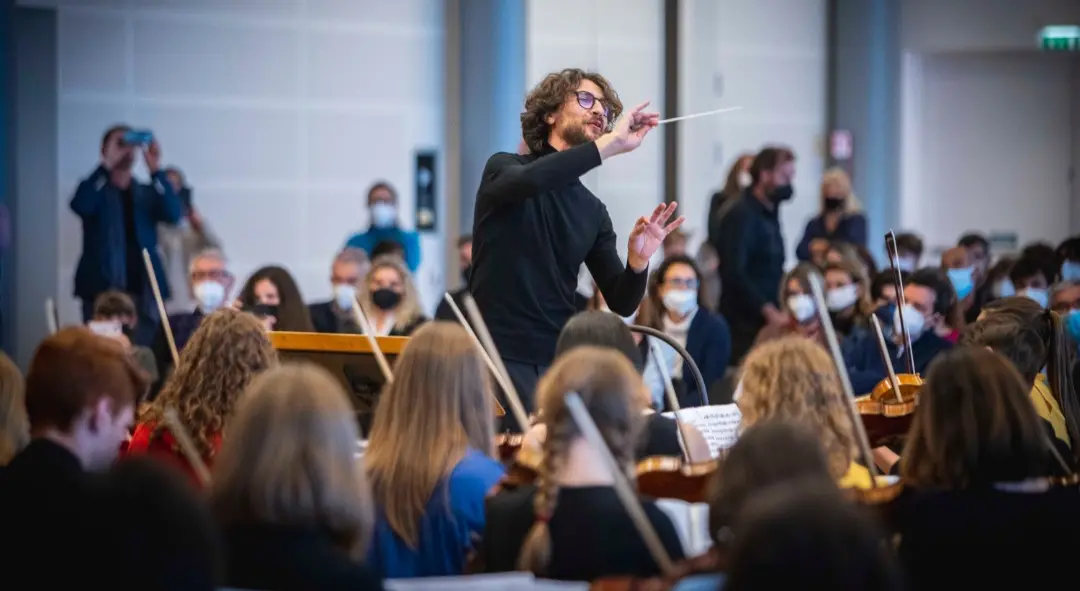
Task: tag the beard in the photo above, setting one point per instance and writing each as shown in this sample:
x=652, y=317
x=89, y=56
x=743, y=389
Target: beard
x=580, y=132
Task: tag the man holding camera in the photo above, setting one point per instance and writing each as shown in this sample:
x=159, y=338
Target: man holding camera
x=119, y=219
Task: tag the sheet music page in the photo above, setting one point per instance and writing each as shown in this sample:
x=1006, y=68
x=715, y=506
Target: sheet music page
x=691, y=521
x=718, y=423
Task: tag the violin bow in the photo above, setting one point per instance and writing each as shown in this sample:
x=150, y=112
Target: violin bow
x=51, y=321
x=489, y=344
x=165, y=325
x=898, y=285
x=499, y=377
x=845, y=380
x=365, y=326
x=626, y=493
x=187, y=445
x=885, y=357
x=673, y=400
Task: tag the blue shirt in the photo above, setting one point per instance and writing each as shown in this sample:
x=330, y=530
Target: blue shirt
x=446, y=537
x=408, y=239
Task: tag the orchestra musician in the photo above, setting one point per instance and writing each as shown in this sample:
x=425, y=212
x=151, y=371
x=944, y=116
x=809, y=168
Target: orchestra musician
x=570, y=524
x=535, y=223
x=977, y=506
x=794, y=378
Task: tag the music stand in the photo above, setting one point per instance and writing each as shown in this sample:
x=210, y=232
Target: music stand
x=348, y=357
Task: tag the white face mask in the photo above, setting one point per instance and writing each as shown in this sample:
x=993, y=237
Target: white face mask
x=344, y=295
x=383, y=214
x=802, y=307
x=680, y=301
x=210, y=295
x=1004, y=288
x=745, y=180
x=916, y=322
x=842, y=298
x=1039, y=295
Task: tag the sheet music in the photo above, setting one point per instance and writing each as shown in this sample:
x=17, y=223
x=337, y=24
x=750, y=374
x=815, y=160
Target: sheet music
x=691, y=521
x=718, y=423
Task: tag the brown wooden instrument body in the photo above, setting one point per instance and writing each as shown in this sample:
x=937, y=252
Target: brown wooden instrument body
x=882, y=414
x=657, y=477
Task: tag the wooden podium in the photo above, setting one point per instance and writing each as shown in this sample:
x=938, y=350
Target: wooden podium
x=347, y=357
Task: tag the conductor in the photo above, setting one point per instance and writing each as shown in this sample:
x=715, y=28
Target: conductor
x=535, y=223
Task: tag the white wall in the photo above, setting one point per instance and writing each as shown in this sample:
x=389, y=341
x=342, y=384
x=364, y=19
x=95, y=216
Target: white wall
x=1016, y=153
x=624, y=41
x=281, y=112
x=989, y=146
x=769, y=57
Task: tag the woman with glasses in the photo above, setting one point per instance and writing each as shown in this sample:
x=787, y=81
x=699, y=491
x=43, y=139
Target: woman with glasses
x=672, y=306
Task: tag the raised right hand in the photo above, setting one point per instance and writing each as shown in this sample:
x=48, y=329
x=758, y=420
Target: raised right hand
x=630, y=130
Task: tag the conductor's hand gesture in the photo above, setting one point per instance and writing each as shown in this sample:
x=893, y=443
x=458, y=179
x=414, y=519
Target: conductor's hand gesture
x=648, y=234
x=631, y=128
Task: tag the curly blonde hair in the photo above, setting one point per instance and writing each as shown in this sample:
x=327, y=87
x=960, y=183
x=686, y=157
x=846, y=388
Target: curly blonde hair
x=228, y=350
x=546, y=98
x=794, y=379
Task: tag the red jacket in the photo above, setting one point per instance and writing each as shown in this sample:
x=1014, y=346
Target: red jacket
x=165, y=446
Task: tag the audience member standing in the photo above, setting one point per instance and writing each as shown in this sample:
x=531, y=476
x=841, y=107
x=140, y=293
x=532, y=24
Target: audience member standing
x=382, y=204
x=180, y=243
x=840, y=218
x=119, y=219
x=751, y=250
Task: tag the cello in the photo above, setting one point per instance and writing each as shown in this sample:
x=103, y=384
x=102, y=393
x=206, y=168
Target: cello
x=886, y=411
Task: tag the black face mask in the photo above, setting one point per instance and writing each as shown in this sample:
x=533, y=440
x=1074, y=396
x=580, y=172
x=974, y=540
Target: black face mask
x=385, y=299
x=781, y=194
x=466, y=273
x=129, y=331
x=834, y=203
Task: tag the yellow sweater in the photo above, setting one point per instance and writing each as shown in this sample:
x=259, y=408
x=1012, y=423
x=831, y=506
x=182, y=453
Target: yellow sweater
x=1047, y=408
x=858, y=477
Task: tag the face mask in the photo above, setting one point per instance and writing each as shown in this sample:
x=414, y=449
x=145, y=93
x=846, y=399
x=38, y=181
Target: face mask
x=344, y=295
x=915, y=322
x=385, y=299
x=745, y=180
x=885, y=317
x=1004, y=289
x=802, y=307
x=1072, y=325
x=906, y=264
x=383, y=215
x=781, y=194
x=1040, y=296
x=834, y=203
x=210, y=295
x=1070, y=271
x=466, y=273
x=842, y=298
x=961, y=281
x=680, y=301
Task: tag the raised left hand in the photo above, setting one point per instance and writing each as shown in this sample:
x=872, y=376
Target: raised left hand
x=648, y=234
x=152, y=156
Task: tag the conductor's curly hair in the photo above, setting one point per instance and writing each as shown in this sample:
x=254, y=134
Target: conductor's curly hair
x=550, y=94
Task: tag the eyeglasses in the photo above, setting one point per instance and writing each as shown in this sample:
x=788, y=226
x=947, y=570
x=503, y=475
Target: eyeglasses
x=586, y=99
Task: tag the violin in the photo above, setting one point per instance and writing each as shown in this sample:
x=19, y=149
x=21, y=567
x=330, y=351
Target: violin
x=508, y=445
x=658, y=476
x=886, y=411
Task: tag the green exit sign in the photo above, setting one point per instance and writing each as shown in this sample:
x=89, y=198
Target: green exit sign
x=1060, y=38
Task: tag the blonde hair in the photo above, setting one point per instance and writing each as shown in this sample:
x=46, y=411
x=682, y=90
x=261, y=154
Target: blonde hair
x=290, y=459
x=608, y=385
x=843, y=181
x=408, y=311
x=438, y=406
x=14, y=424
x=227, y=350
x=794, y=379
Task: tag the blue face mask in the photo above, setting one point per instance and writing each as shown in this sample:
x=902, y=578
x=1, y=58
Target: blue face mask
x=1072, y=325
x=1070, y=271
x=961, y=281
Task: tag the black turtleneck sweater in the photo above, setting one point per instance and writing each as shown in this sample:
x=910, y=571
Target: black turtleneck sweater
x=534, y=224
